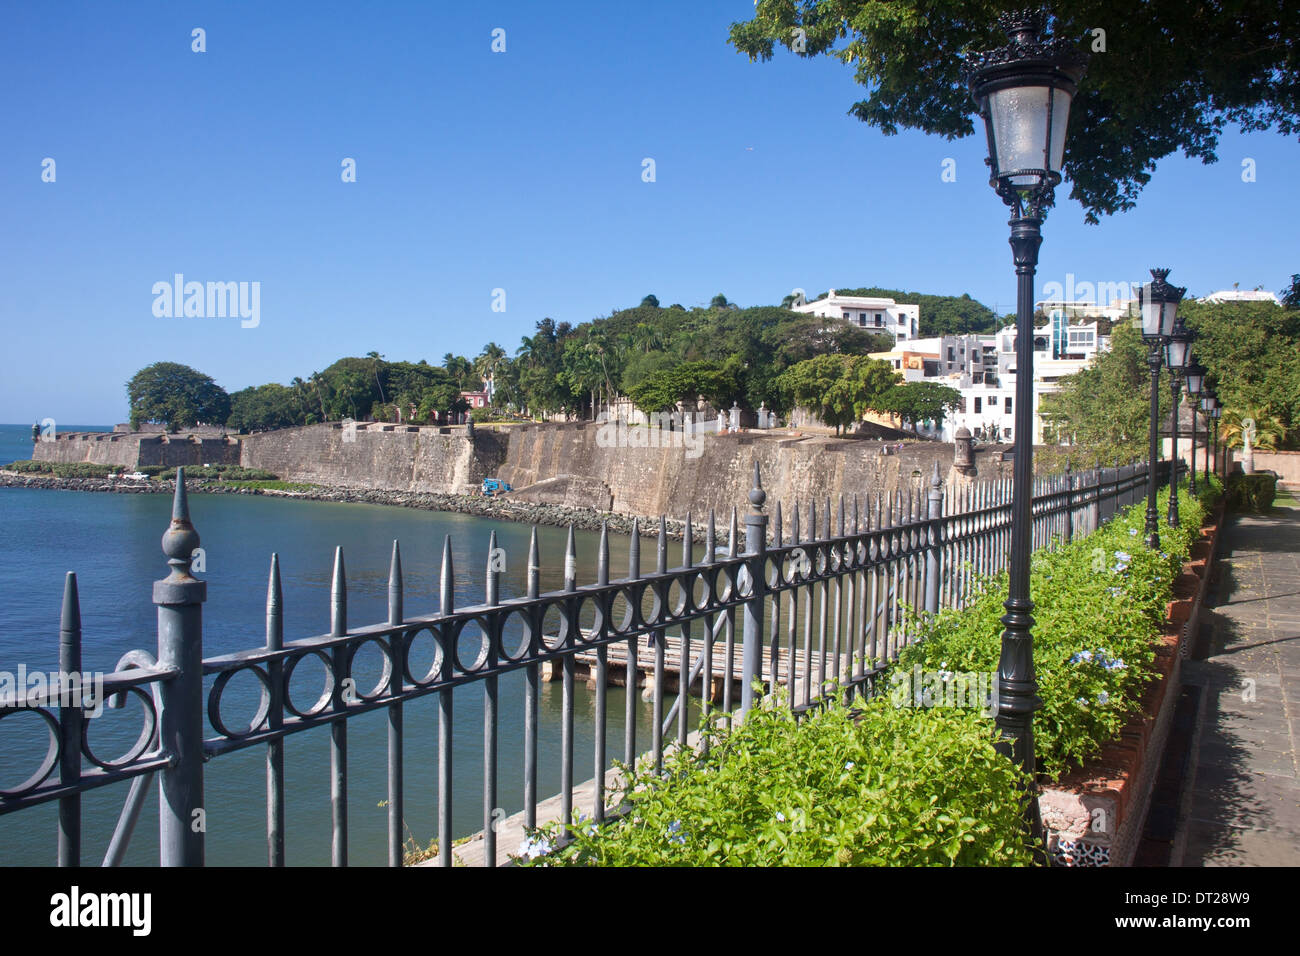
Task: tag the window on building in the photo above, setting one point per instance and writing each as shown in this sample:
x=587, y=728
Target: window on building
x=1006, y=433
x=879, y=319
x=979, y=402
x=1008, y=406
x=848, y=315
x=862, y=321
x=951, y=354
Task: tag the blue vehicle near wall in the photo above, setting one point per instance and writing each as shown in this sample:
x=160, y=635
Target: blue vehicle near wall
x=495, y=486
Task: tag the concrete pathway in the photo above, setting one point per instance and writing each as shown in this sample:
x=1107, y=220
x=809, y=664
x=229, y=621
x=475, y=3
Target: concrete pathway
x=1241, y=797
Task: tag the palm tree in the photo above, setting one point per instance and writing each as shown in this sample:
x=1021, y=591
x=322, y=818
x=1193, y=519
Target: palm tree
x=489, y=361
x=377, y=358
x=1253, y=427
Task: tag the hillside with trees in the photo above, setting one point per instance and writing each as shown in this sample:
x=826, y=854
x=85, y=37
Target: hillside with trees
x=657, y=356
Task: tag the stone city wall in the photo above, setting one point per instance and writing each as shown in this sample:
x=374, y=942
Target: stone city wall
x=132, y=451
x=378, y=456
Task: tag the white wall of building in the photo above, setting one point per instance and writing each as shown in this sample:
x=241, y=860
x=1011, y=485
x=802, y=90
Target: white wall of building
x=901, y=321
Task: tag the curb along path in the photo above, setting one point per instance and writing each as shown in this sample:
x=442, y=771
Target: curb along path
x=1241, y=799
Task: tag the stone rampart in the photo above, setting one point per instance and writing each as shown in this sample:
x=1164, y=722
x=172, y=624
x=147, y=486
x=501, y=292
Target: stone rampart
x=134, y=450
x=378, y=456
x=670, y=475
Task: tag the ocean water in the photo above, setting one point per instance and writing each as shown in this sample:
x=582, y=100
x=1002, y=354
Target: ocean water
x=112, y=543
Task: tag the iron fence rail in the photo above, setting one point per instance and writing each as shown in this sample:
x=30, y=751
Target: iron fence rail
x=826, y=603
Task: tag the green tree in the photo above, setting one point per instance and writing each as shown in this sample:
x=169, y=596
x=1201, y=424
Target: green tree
x=176, y=396
x=838, y=389
x=915, y=402
x=662, y=390
x=650, y=302
x=264, y=407
x=1252, y=352
x=1291, y=297
x=1105, y=408
x=1177, y=72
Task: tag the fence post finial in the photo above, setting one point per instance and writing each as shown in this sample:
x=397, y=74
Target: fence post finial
x=757, y=496
x=180, y=598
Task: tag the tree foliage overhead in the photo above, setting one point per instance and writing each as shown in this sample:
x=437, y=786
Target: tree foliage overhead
x=176, y=396
x=1177, y=72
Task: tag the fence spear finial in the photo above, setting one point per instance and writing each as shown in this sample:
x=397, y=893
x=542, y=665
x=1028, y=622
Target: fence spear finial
x=757, y=496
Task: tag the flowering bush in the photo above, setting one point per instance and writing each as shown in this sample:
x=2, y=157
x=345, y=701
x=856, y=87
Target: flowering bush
x=874, y=786
x=1099, y=604
x=901, y=785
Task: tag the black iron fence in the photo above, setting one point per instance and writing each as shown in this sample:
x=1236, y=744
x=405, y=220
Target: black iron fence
x=822, y=600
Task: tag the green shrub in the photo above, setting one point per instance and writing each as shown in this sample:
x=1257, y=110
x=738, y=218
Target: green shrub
x=219, y=473
x=65, y=469
x=1099, y=604
x=881, y=786
x=1253, y=493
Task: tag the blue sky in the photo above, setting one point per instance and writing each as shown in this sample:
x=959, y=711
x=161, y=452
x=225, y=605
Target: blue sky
x=479, y=171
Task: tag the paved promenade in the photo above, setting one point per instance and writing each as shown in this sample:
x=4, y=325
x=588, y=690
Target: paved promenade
x=1241, y=799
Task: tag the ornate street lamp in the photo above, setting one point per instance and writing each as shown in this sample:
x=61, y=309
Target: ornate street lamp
x=1023, y=91
x=1159, y=304
x=1195, y=375
x=1178, y=352
x=1218, y=411
x=1209, y=402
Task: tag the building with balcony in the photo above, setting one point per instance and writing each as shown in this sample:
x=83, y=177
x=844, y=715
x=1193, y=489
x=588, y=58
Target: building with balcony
x=885, y=316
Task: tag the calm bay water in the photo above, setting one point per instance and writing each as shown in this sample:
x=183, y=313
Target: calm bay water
x=112, y=542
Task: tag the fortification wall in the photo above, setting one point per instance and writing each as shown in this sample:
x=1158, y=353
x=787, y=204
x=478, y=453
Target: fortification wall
x=132, y=451
x=716, y=471
x=376, y=456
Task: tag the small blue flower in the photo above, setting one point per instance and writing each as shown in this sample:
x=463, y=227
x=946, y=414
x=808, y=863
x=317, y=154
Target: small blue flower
x=533, y=848
x=780, y=817
x=1103, y=698
x=1132, y=532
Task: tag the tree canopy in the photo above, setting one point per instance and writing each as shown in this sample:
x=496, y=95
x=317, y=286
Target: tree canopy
x=1251, y=351
x=839, y=389
x=916, y=402
x=176, y=396
x=1179, y=73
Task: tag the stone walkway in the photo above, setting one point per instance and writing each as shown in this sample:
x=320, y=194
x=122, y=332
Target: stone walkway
x=1241, y=802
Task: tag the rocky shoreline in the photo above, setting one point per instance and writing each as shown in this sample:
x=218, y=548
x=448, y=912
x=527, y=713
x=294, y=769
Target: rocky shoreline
x=500, y=509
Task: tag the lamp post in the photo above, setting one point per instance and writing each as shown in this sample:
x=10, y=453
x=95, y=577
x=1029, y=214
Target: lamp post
x=1023, y=91
x=1209, y=402
x=1178, y=350
x=1218, y=411
x=1159, y=305
x=1195, y=376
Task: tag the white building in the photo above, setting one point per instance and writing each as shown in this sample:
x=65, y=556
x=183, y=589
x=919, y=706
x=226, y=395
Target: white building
x=983, y=369
x=1236, y=295
x=900, y=321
